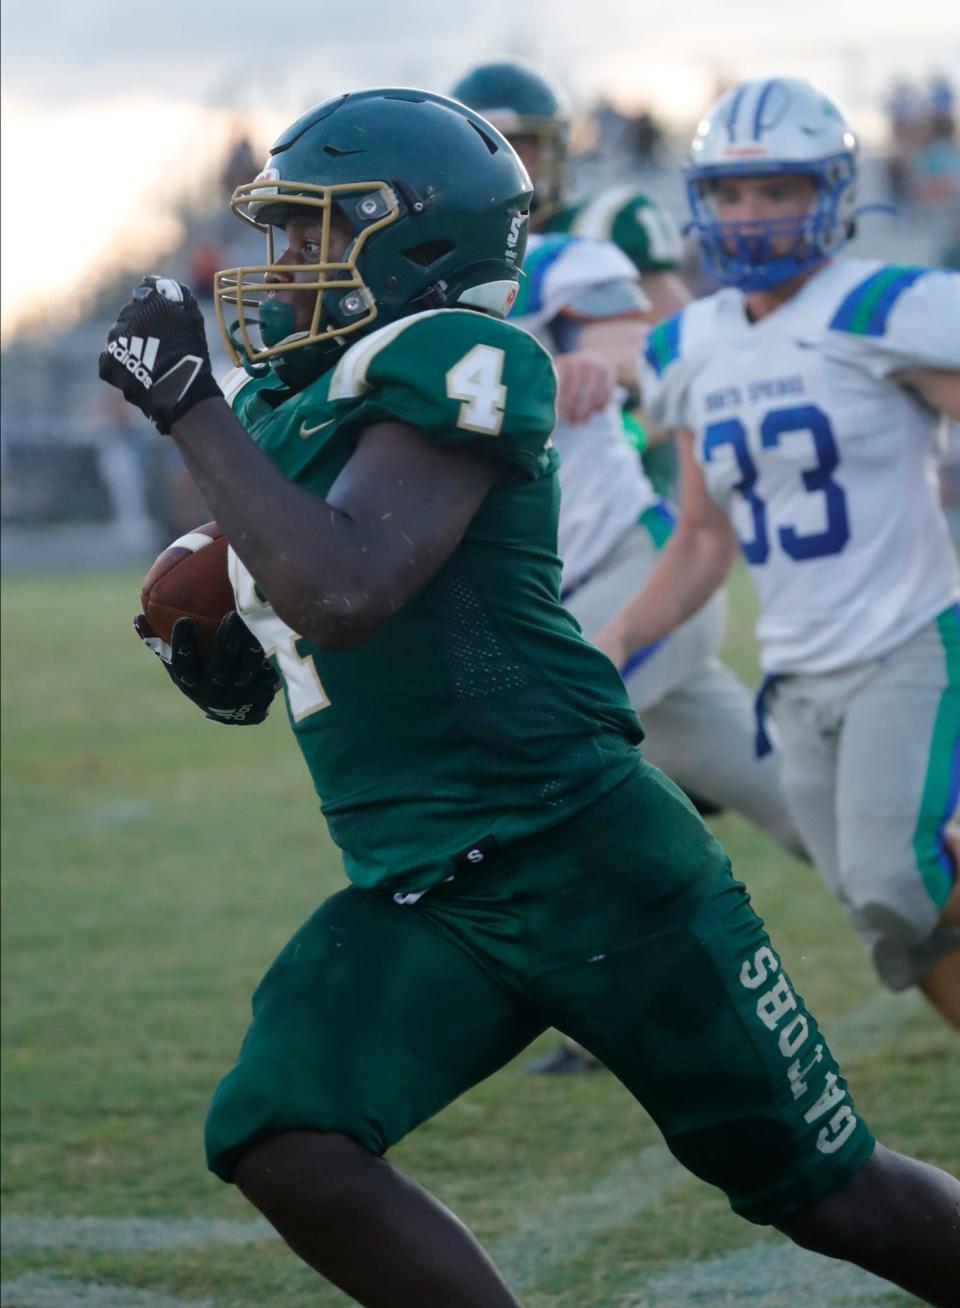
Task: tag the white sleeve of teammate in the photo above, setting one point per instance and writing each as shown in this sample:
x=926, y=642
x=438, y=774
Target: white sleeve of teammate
x=922, y=329
x=590, y=280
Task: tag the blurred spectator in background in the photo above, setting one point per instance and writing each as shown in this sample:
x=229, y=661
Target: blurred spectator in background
x=924, y=164
x=610, y=125
x=942, y=106
x=935, y=165
x=905, y=119
x=935, y=173
x=642, y=136
x=205, y=259
x=241, y=165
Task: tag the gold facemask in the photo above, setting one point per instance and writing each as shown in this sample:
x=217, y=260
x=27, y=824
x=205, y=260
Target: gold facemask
x=245, y=295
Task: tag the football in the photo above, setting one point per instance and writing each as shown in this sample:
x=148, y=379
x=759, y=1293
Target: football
x=189, y=580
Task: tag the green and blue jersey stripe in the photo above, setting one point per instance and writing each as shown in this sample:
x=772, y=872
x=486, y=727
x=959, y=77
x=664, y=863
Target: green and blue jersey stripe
x=865, y=310
x=663, y=344
x=536, y=265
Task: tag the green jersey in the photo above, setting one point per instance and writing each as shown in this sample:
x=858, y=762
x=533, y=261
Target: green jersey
x=643, y=229
x=478, y=712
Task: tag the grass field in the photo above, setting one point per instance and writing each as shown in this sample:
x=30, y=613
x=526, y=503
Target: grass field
x=153, y=865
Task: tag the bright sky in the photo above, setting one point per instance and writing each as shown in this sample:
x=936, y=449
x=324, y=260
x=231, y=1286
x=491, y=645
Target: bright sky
x=119, y=169
x=111, y=112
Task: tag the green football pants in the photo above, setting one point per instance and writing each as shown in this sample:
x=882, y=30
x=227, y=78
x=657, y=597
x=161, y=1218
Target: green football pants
x=624, y=928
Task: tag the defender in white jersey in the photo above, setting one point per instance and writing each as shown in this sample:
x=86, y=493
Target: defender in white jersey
x=698, y=716
x=807, y=396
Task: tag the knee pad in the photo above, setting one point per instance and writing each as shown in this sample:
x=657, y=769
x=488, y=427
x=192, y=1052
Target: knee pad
x=902, y=966
x=892, y=910
x=902, y=949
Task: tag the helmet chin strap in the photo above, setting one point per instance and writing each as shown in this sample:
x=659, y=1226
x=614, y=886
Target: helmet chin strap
x=435, y=296
x=253, y=369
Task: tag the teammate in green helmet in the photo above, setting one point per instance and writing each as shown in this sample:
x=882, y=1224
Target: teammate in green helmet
x=533, y=114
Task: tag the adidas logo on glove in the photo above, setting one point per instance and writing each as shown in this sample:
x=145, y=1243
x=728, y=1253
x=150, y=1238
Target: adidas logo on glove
x=137, y=356
x=156, y=352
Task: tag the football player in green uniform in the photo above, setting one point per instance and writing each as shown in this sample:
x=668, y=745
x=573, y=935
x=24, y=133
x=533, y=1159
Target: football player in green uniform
x=382, y=468
x=532, y=113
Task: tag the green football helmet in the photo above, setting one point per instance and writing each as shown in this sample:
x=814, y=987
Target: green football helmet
x=437, y=202
x=519, y=101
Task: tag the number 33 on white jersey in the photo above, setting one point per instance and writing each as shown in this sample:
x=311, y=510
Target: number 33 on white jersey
x=825, y=463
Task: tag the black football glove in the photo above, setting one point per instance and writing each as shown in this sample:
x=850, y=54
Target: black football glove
x=234, y=684
x=157, y=352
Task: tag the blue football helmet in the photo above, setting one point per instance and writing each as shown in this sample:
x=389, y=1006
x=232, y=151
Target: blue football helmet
x=762, y=128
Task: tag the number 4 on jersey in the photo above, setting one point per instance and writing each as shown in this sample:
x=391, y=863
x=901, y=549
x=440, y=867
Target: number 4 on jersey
x=475, y=379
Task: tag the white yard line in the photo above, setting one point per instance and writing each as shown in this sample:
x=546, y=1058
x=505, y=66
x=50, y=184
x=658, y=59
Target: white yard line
x=126, y=1234
x=765, y=1276
x=569, y=1227
x=543, y=1240
x=44, y=1290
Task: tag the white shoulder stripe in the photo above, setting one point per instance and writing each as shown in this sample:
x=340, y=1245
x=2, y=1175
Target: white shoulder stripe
x=232, y=383
x=596, y=217
x=350, y=375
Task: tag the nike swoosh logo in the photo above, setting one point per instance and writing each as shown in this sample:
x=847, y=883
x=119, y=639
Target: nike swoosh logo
x=312, y=431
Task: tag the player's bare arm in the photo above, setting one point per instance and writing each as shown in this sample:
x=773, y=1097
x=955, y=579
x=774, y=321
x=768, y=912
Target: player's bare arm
x=655, y=435
x=667, y=295
x=695, y=563
x=939, y=387
x=618, y=342
x=335, y=570
x=585, y=385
